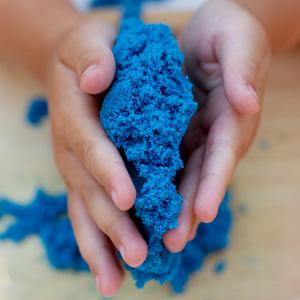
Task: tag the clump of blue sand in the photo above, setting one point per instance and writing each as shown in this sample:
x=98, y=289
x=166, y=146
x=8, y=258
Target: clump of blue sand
x=220, y=266
x=145, y=113
x=36, y=111
x=46, y=216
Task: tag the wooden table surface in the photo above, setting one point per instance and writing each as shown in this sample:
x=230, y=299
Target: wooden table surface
x=263, y=261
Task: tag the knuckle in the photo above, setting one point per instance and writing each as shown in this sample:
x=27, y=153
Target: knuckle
x=100, y=170
x=107, y=166
x=86, y=149
x=216, y=145
x=84, y=59
x=222, y=146
x=89, y=196
x=210, y=175
x=115, y=226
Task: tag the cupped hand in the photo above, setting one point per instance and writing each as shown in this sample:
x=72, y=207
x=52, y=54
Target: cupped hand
x=227, y=58
x=100, y=190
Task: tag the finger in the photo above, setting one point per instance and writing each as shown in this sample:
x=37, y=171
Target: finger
x=103, y=161
x=194, y=229
x=241, y=61
x=85, y=135
x=92, y=60
x=95, y=248
x=116, y=224
x=219, y=162
x=176, y=239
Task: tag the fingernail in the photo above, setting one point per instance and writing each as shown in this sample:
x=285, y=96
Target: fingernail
x=98, y=283
x=89, y=70
x=114, y=196
x=122, y=251
x=253, y=93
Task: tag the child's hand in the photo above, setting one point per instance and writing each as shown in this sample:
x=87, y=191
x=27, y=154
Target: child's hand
x=227, y=56
x=99, y=187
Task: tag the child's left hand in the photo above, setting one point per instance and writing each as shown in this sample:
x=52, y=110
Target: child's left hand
x=227, y=56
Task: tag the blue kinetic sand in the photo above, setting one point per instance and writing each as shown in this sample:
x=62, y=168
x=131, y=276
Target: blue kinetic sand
x=220, y=266
x=46, y=217
x=146, y=113
x=37, y=111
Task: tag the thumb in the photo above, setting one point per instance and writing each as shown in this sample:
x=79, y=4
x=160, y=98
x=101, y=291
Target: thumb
x=87, y=51
x=241, y=57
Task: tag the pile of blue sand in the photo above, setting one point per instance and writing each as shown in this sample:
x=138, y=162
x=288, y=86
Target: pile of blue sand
x=146, y=113
x=37, y=111
x=46, y=217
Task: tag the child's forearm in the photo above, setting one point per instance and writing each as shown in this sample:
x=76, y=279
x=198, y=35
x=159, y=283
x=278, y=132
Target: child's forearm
x=281, y=20
x=29, y=30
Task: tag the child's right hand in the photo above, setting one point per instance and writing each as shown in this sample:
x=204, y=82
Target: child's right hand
x=99, y=187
